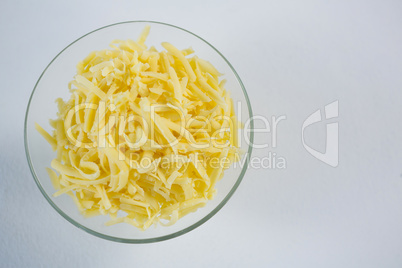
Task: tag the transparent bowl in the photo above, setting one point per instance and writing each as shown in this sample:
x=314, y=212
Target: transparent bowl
x=53, y=83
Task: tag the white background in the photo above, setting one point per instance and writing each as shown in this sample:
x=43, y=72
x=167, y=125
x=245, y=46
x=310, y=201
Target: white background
x=294, y=57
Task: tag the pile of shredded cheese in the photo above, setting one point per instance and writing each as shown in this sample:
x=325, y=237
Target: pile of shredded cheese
x=145, y=133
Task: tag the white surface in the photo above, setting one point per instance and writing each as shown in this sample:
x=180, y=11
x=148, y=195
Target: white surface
x=294, y=57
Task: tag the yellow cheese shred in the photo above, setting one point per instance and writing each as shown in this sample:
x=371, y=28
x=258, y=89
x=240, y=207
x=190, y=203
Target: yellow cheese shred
x=145, y=135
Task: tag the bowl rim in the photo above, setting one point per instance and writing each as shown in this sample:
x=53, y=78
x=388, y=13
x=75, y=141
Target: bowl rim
x=163, y=237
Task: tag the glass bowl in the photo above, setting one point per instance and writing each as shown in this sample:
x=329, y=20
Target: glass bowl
x=52, y=84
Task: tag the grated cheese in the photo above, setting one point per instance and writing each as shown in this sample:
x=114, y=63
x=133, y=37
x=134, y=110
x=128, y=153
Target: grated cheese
x=138, y=132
